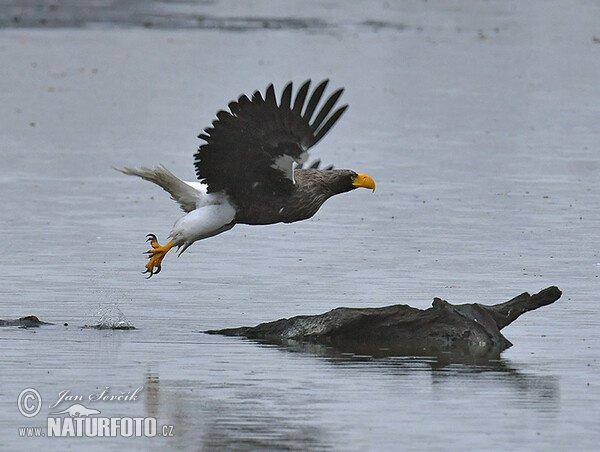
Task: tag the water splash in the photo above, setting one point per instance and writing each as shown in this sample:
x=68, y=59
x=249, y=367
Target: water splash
x=111, y=318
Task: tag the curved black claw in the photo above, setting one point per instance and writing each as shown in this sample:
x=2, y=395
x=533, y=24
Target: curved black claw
x=156, y=255
x=148, y=271
x=151, y=238
x=154, y=271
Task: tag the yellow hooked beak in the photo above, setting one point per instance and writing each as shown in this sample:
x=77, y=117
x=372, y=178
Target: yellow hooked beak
x=362, y=180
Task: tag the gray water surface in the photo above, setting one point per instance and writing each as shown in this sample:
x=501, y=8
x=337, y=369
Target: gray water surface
x=479, y=123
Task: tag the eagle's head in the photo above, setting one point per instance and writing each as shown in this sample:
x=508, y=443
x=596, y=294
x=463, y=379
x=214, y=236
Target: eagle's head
x=342, y=180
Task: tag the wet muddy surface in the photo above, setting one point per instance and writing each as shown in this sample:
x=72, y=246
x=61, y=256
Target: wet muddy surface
x=479, y=123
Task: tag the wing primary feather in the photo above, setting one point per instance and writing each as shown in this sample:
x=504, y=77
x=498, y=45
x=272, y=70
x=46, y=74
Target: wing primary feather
x=224, y=116
x=257, y=97
x=286, y=96
x=326, y=109
x=330, y=122
x=270, y=96
x=243, y=101
x=234, y=108
x=301, y=97
x=314, y=100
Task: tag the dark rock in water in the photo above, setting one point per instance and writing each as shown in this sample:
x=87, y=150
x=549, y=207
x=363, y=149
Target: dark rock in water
x=446, y=330
x=30, y=321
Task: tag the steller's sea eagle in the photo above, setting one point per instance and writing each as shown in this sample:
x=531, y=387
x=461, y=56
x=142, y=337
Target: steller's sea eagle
x=247, y=168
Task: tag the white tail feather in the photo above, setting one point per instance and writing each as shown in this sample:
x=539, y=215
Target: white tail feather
x=189, y=195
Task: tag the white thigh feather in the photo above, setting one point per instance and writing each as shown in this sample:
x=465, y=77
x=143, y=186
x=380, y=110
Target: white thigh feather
x=202, y=223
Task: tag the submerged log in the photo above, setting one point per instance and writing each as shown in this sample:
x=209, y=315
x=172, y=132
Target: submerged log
x=461, y=331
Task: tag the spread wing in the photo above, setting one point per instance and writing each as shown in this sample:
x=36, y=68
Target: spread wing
x=253, y=147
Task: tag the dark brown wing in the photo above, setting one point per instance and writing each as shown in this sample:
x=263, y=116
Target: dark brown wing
x=253, y=147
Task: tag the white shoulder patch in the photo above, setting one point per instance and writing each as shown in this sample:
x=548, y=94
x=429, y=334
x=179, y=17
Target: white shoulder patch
x=203, y=198
x=285, y=164
x=202, y=188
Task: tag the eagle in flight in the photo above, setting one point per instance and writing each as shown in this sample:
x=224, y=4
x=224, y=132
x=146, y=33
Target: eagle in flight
x=250, y=168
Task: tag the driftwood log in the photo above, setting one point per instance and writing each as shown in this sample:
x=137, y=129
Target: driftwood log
x=444, y=330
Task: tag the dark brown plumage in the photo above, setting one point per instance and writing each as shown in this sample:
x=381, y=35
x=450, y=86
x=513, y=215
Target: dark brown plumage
x=312, y=188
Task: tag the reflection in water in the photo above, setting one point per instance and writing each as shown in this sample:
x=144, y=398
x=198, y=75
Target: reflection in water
x=540, y=392
x=247, y=421
x=535, y=391
x=249, y=413
x=152, y=394
x=235, y=425
x=352, y=351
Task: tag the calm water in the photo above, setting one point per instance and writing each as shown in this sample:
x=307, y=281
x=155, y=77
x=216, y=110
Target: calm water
x=479, y=123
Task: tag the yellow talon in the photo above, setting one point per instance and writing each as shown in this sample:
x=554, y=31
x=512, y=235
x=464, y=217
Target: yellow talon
x=157, y=254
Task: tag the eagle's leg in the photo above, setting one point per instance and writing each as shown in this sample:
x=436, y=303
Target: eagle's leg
x=157, y=254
